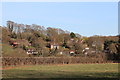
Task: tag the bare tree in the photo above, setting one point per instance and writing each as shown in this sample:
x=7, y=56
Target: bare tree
x=10, y=25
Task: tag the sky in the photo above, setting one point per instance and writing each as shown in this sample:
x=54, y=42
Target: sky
x=85, y=18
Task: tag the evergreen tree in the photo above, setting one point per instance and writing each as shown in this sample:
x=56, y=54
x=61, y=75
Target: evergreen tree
x=72, y=35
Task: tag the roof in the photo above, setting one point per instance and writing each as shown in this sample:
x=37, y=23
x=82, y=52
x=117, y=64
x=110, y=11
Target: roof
x=15, y=43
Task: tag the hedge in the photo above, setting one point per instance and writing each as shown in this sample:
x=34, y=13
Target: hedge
x=14, y=61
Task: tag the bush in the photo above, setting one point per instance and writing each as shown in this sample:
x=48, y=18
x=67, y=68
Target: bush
x=13, y=61
x=13, y=35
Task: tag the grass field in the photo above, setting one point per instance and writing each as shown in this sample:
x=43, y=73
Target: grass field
x=7, y=50
x=63, y=71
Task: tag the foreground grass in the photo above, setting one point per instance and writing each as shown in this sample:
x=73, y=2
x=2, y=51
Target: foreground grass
x=63, y=71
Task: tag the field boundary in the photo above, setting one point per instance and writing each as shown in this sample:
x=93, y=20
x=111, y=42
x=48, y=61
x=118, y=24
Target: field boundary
x=14, y=61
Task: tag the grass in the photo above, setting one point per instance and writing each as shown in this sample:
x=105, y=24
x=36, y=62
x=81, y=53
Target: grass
x=8, y=51
x=63, y=71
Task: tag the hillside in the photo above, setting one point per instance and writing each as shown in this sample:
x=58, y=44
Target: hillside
x=8, y=51
x=21, y=40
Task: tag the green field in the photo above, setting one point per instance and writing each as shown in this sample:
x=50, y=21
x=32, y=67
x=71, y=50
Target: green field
x=63, y=71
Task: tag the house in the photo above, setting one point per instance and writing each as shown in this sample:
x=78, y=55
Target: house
x=72, y=52
x=14, y=44
x=19, y=42
x=31, y=51
x=52, y=46
x=72, y=39
x=85, y=51
x=61, y=52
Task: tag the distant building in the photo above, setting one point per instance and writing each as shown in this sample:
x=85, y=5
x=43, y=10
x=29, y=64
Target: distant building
x=85, y=51
x=14, y=44
x=61, y=53
x=18, y=42
x=31, y=51
x=72, y=52
x=54, y=46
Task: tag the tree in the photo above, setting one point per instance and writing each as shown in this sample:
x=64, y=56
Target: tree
x=5, y=33
x=78, y=35
x=72, y=35
x=13, y=35
x=52, y=34
x=10, y=25
x=78, y=48
x=95, y=42
x=27, y=28
x=118, y=49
